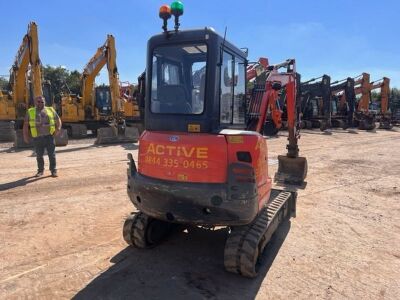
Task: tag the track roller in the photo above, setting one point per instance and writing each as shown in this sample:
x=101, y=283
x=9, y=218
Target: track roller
x=245, y=244
x=385, y=124
x=366, y=124
x=143, y=231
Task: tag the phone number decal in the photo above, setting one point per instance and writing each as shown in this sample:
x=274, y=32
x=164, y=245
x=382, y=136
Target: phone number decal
x=175, y=163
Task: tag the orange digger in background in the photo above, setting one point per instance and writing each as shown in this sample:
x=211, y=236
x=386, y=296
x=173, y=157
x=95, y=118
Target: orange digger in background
x=202, y=160
x=275, y=110
x=384, y=116
x=363, y=116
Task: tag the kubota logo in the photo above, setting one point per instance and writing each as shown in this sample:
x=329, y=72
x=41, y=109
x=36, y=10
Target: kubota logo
x=174, y=138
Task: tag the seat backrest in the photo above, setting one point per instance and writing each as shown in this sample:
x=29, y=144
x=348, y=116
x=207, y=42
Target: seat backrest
x=173, y=99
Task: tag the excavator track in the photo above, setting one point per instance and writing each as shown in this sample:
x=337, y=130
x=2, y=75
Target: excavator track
x=143, y=231
x=245, y=244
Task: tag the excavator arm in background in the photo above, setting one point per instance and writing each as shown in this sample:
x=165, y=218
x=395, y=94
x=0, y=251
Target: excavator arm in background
x=258, y=74
x=363, y=116
x=80, y=112
x=316, y=102
x=14, y=104
x=344, y=91
x=363, y=87
x=292, y=168
x=385, y=117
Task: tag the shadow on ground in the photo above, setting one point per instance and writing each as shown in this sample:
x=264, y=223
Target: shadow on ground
x=20, y=182
x=126, y=146
x=187, y=266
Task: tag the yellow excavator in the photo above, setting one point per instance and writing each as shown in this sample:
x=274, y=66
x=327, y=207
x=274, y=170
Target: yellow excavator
x=25, y=84
x=101, y=109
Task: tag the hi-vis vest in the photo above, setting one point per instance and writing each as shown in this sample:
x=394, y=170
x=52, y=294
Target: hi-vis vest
x=32, y=120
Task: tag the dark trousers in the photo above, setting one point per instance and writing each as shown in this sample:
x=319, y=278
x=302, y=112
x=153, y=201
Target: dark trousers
x=41, y=143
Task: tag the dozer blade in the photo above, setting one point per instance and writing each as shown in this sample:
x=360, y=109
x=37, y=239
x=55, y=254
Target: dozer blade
x=19, y=140
x=110, y=135
x=62, y=138
x=7, y=131
x=291, y=170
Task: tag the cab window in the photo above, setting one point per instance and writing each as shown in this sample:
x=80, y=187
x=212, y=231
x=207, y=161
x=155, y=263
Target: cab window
x=178, y=79
x=233, y=87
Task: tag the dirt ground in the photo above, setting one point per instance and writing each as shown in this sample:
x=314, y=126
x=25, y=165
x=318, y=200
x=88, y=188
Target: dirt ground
x=62, y=237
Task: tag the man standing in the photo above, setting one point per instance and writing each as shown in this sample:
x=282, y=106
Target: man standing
x=44, y=124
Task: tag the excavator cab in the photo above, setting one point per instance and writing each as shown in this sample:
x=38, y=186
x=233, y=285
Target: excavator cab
x=187, y=76
x=103, y=100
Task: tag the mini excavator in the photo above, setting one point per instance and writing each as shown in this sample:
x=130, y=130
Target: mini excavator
x=202, y=160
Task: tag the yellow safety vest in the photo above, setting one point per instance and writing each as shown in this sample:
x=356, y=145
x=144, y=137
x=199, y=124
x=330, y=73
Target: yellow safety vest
x=32, y=120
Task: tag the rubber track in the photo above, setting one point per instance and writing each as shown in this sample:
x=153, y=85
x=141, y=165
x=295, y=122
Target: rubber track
x=134, y=230
x=246, y=242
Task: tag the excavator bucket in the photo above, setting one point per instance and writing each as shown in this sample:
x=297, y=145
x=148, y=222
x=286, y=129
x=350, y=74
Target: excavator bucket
x=291, y=170
x=113, y=135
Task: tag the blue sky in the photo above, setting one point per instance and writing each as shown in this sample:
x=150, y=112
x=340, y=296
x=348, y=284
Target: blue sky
x=340, y=38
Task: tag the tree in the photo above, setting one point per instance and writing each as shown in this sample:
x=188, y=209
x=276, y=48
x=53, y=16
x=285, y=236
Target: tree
x=74, y=82
x=396, y=93
x=3, y=84
x=62, y=80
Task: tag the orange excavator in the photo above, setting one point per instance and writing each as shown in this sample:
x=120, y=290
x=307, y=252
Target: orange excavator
x=385, y=117
x=202, y=160
x=363, y=116
x=275, y=111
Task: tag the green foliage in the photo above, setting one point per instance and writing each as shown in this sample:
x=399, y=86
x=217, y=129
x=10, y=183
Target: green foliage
x=396, y=93
x=62, y=80
x=395, y=99
x=375, y=96
x=3, y=84
x=74, y=82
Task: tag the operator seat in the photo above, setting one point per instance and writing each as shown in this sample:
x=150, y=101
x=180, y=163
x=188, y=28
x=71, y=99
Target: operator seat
x=173, y=99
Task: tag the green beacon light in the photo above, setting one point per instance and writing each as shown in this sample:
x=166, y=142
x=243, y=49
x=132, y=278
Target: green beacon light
x=177, y=10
